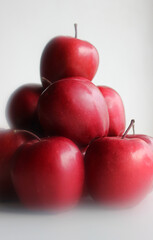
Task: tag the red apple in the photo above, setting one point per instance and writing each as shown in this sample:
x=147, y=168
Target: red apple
x=74, y=108
x=21, y=108
x=119, y=170
x=68, y=57
x=10, y=140
x=48, y=173
x=115, y=110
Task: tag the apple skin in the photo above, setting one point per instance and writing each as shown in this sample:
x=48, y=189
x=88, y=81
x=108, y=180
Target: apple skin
x=115, y=110
x=10, y=140
x=147, y=139
x=21, y=108
x=119, y=172
x=48, y=174
x=65, y=57
x=74, y=108
x=85, y=191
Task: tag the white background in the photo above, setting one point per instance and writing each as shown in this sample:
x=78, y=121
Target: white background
x=122, y=31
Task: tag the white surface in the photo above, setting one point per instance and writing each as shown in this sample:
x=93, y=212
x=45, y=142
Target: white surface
x=123, y=34
x=83, y=223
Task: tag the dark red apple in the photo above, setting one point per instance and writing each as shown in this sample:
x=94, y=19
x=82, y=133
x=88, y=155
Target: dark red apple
x=68, y=57
x=21, y=108
x=48, y=173
x=119, y=170
x=10, y=140
x=74, y=108
x=115, y=110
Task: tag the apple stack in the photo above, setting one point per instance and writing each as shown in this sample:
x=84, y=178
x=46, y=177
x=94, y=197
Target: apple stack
x=68, y=137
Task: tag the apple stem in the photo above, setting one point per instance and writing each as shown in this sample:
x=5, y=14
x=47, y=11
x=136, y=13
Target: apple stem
x=129, y=127
x=133, y=128
x=26, y=131
x=46, y=80
x=76, y=30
